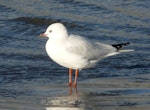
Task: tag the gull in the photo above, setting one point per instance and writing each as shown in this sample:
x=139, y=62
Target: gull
x=76, y=52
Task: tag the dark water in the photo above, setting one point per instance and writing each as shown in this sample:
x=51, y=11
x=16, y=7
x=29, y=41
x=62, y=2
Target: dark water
x=29, y=80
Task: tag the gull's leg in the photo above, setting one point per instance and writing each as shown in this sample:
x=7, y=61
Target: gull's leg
x=76, y=76
x=70, y=77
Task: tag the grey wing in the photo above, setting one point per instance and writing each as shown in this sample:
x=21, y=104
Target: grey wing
x=88, y=49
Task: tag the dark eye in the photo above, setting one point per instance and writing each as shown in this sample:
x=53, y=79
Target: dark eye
x=50, y=31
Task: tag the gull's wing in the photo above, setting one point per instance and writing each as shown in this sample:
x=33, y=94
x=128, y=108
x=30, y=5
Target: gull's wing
x=87, y=49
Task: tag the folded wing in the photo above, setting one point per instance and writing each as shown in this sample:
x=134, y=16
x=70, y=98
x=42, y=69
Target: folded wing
x=89, y=49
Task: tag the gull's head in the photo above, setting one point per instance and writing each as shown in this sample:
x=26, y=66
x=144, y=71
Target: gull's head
x=55, y=31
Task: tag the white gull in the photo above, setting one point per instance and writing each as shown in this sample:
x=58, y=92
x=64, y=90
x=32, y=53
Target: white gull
x=76, y=52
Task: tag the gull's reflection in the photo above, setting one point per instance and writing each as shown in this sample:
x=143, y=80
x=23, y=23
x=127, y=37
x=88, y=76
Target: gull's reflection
x=68, y=102
x=71, y=89
x=63, y=108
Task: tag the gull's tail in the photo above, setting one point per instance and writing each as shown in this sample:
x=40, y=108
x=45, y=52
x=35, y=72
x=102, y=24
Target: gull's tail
x=119, y=47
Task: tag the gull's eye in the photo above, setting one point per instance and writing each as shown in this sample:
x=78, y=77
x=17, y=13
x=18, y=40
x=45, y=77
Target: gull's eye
x=50, y=31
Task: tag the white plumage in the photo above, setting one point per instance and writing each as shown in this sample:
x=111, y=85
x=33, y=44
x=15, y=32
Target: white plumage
x=73, y=51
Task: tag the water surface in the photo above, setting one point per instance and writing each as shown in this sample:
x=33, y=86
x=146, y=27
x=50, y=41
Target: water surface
x=30, y=80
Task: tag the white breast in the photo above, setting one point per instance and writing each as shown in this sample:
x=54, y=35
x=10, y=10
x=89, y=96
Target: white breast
x=58, y=53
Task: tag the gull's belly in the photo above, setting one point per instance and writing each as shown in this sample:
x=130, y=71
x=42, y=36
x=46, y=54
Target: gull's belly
x=66, y=59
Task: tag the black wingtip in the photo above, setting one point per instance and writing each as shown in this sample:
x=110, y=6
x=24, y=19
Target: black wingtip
x=119, y=46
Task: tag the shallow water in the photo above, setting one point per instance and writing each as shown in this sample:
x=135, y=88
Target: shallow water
x=30, y=80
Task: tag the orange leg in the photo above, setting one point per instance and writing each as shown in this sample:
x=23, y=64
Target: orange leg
x=76, y=76
x=70, y=77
